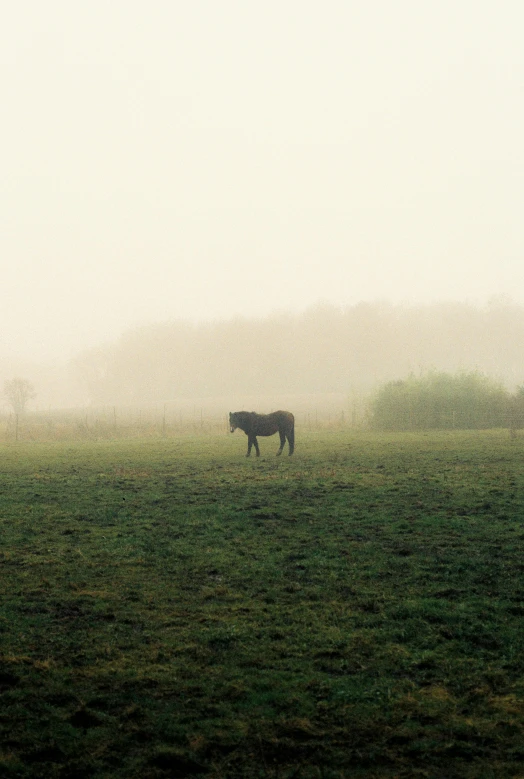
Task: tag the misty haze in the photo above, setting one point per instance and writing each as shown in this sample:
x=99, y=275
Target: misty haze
x=204, y=162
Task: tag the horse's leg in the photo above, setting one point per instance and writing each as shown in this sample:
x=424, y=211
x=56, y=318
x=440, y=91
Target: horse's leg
x=255, y=444
x=249, y=445
x=282, y=441
x=291, y=440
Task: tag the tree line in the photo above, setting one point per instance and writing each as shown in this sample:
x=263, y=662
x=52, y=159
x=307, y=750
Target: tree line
x=326, y=349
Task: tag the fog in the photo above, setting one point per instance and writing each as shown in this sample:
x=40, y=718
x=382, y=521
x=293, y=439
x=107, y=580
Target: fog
x=204, y=161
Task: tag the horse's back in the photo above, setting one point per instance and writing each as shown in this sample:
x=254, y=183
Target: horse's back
x=285, y=418
x=277, y=421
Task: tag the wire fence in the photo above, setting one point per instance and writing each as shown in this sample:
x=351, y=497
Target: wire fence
x=120, y=422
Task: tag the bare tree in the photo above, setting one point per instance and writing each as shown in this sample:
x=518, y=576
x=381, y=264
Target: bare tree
x=18, y=392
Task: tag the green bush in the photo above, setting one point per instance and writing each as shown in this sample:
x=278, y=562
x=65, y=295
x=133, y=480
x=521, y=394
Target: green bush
x=442, y=401
x=516, y=410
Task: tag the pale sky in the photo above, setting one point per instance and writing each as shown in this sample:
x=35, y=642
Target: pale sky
x=204, y=159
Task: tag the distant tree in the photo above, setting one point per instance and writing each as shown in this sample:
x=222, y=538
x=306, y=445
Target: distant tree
x=18, y=392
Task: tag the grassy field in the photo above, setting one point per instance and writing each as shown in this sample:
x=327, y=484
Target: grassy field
x=169, y=608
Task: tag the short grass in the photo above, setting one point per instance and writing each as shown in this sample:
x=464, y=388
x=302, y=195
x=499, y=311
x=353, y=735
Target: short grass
x=171, y=609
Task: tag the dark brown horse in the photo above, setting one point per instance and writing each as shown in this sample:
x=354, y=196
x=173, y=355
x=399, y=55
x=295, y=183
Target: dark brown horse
x=281, y=422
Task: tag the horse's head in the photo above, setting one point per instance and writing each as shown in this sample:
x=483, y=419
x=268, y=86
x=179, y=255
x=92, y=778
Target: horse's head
x=232, y=422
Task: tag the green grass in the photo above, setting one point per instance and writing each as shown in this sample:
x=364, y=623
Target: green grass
x=170, y=608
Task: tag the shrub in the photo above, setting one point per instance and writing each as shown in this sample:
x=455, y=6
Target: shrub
x=441, y=401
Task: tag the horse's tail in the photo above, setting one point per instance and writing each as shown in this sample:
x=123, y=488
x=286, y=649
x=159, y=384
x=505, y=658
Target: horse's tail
x=291, y=436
